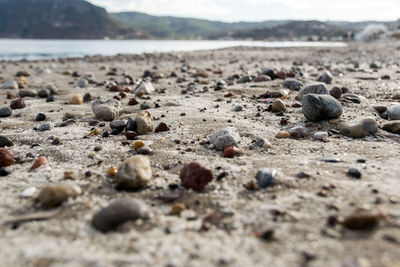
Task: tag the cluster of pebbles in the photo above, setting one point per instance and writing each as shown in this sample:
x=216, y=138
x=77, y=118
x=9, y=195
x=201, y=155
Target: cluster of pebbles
x=231, y=157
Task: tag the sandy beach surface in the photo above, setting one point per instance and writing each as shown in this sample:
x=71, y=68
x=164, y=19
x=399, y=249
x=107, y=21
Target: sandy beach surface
x=302, y=220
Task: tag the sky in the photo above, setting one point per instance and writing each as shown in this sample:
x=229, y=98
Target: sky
x=258, y=10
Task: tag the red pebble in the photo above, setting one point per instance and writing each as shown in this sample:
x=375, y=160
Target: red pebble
x=17, y=104
x=195, y=176
x=230, y=152
x=133, y=102
x=6, y=157
x=162, y=127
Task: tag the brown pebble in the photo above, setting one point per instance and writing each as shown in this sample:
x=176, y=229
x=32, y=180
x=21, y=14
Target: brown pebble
x=130, y=135
x=282, y=135
x=76, y=99
x=133, y=102
x=6, y=157
x=17, y=104
x=195, y=176
x=39, y=162
x=230, y=152
x=54, y=195
x=177, y=208
x=362, y=220
x=87, y=97
x=162, y=127
x=69, y=175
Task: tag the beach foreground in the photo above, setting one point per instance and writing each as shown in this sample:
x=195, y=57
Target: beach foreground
x=315, y=213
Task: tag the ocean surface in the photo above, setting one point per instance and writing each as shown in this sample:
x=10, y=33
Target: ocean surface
x=17, y=49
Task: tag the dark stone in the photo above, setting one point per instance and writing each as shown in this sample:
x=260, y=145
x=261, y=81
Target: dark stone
x=40, y=117
x=44, y=93
x=50, y=99
x=162, y=127
x=195, y=176
x=5, y=112
x=321, y=107
x=117, y=125
x=17, y=104
x=131, y=125
x=266, y=177
x=44, y=127
x=5, y=141
x=353, y=172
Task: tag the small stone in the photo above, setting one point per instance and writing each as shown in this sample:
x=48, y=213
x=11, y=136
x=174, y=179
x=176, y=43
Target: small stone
x=52, y=88
x=112, y=171
x=76, y=99
x=293, y=84
x=50, y=98
x=317, y=88
x=5, y=141
x=106, y=110
x=237, y=108
x=321, y=136
x=336, y=92
x=54, y=195
x=392, y=127
x=262, y=78
x=362, y=220
x=95, y=131
x=325, y=77
x=138, y=144
x=17, y=104
x=4, y=172
x=145, y=88
x=266, y=177
x=10, y=85
x=230, y=152
x=27, y=93
x=28, y=192
x=359, y=128
x=133, y=102
x=260, y=143
x=119, y=212
x=278, y=106
x=44, y=93
x=298, y=132
x=144, y=123
x=282, y=135
x=195, y=176
x=82, y=83
x=117, y=125
x=134, y=173
x=177, y=208
x=41, y=161
x=131, y=135
x=87, y=97
x=321, y=107
x=224, y=138
x=379, y=109
x=162, y=127
x=394, y=112
x=69, y=175
x=353, y=172
x=6, y=157
x=302, y=175
x=144, y=150
x=44, y=127
x=40, y=117
x=5, y=112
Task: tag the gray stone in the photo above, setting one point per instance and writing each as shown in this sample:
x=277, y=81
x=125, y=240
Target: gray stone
x=5, y=112
x=82, y=83
x=336, y=92
x=293, y=84
x=145, y=87
x=394, y=112
x=321, y=136
x=10, y=85
x=106, y=110
x=224, y=138
x=298, y=132
x=266, y=177
x=144, y=123
x=119, y=212
x=316, y=88
x=392, y=127
x=278, y=106
x=321, y=107
x=325, y=77
x=237, y=108
x=134, y=173
x=52, y=88
x=118, y=125
x=5, y=141
x=359, y=128
x=44, y=93
x=44, y=127
x=27, y=93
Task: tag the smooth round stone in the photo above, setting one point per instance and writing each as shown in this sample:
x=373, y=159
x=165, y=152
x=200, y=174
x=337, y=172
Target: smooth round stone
x=359, y=128
x=278, y=106
x=40, y=117
x=298, y=132
x=52, y=88
x=76, y=99
x=10, y=85
x=321, y=107
x=119, y=212
x=44, y=93
x=118, y=125
x=321, y=136
x=195, y=176
x=82, y=83
x=380, y=109
x=17, y=103
x=325, y=77
x=27, y=93
x=5, y=141
x=106, y=110
x=144, y=123
x=44, y=127
x=266, y=177
x=134, y=173
x=316, y=88
x=336, y=92
x=293, y=84
x=237, y=108
x=50, y=98
x=224, y=138
x=54, y=195
x=5, y=112
x=394, y=112
x=392, y=127
x=353, y=172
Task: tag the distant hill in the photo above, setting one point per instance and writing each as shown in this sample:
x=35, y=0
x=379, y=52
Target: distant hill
x=294, y=29
x=183, y=28
x=59, y=19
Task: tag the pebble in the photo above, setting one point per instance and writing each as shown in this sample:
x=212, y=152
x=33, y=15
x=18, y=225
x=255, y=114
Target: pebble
x=359, y=128
x=10, y=85
x=282, y=135
x=336, y=92
x=134, y=173
x=298, y=132
x=224, y=138
x=353, y=172
x=380, y=109
x=5, y=112
x=44, y=127
x=6, y=157
x=325, y=77
x=266, y=177
x=118, y=125
x=27, y=93
x=28, y=192
x=237, y=108
x=54, y=195
x=106, y=110
x=321, y=136
x=317, y=88
x=130, y=135
x=50, y=98
x=44, y=93
x=392, y=127
x=145, y=88
x=144, y=123
x=144, y=150
x=52, y=88
x=119, y=212
x=195, y=176
x=82, y=83
x=394, y=112
x=230, y=152
x=260, y=143
x=293, y=84
x=69, y=175
x=76, y=99
x=177, y=209
x=321, y=107
x=87, y=97
x=362, y=220
x=278, y=106
x=162, y=127
x=40, y=117
x=41, y=161
x=5, y=141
